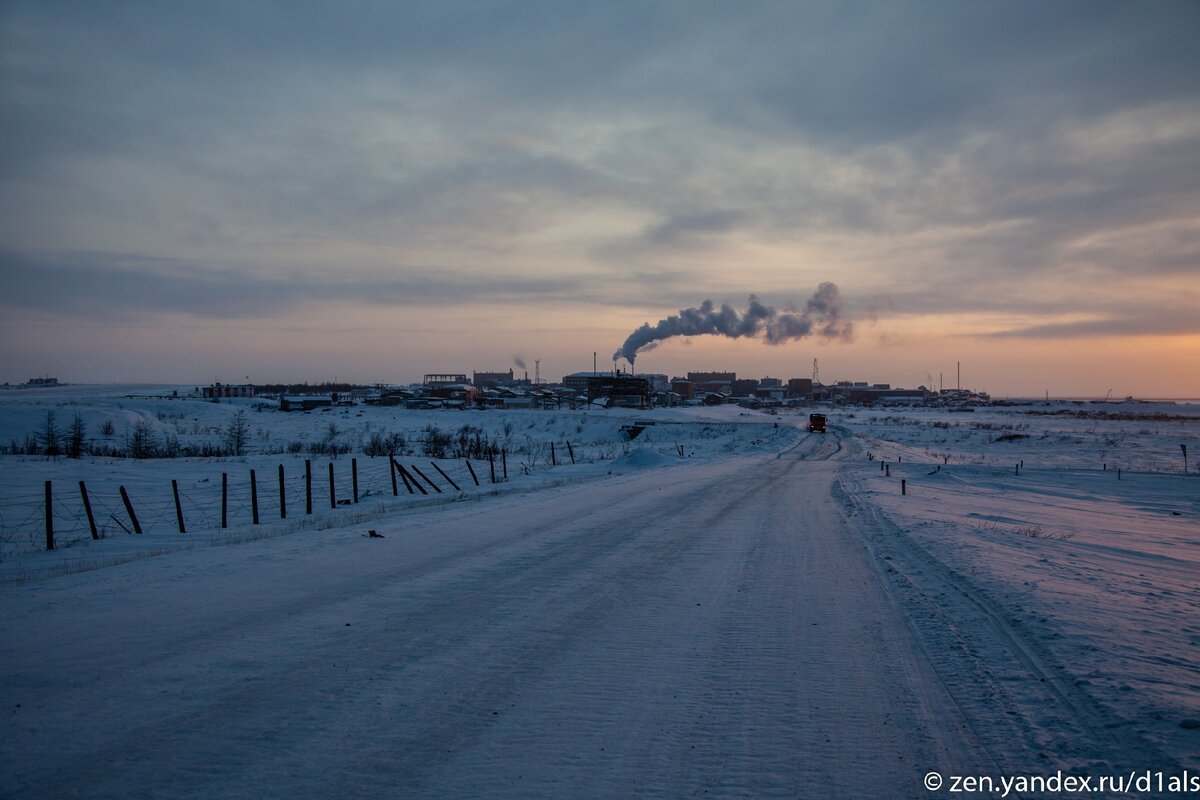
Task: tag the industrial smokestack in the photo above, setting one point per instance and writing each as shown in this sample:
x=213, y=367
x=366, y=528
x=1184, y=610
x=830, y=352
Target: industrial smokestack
x=821, y=315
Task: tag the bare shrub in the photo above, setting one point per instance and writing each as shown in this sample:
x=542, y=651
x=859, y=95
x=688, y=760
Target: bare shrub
x=385, y=444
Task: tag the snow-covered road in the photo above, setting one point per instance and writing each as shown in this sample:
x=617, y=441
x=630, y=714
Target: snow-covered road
x=717, y=628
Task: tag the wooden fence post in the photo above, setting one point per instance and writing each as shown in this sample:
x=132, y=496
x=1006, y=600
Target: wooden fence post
x=903, y=486
x=332, y=492
x=447, y=477
x=282, y=495
x=137, y=528
x=471, y=470
x=392, y=473
x=571, y=452
x=397, y=468
x=49, y=516
x=553, y=458
x=354, y=477
x=409, y=480
x=178, y=506
x=492, y=465
x=224, y=500
x=504, y=461
x=253, y=497
x=87, y=506
x=307, y=486
x=425, y=478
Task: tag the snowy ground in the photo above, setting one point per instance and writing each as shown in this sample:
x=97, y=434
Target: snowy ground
x=539, y=448
x=1098, y=570
x=766, y=616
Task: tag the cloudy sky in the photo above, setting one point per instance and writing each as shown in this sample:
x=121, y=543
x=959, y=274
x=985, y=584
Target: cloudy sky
x=376, y=190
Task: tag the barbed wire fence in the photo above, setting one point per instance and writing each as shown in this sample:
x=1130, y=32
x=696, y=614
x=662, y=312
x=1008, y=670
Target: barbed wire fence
x=234, y=501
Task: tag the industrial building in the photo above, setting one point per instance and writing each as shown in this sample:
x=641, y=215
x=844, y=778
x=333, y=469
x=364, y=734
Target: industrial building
x=219, y=390
x=483, y=380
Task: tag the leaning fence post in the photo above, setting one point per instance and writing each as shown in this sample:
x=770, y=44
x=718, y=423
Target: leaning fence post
x=224, y=500
x=354, y=477
x=307, y=486
x=571, y=452
x=87, y=506
x=449, y=480
x=425, y=478
x=253, y=497
x=49, y=517
x=137, y=528
x=392, y=473
x=397, y=468
x=410, y=480
x=471, y=470
x=178, y=506
x=282, y=495
x=553, y=459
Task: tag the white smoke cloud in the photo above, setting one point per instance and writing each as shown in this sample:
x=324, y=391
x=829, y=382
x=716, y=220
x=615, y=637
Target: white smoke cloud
x=821, y=316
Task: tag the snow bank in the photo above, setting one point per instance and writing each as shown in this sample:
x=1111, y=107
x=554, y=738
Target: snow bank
x=641, y=458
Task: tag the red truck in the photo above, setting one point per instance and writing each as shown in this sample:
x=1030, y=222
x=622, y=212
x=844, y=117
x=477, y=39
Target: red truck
x=816, y=423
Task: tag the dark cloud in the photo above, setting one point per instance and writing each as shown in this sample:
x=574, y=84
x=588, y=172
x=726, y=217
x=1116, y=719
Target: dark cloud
x=1175, y=322
x=993, y=147
x=105, y=286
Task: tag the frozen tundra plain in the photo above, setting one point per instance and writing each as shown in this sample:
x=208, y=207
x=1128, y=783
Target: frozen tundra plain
x=726, y=606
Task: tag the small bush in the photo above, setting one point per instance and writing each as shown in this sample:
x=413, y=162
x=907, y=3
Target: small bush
x=436, y=442
x=332, y=449
x=384, y=444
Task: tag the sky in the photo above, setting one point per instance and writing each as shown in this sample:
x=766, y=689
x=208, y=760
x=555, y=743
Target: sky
x=372, y=191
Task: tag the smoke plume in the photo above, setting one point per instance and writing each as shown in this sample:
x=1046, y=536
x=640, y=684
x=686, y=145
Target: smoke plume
x=821, y=316
x=520, y=362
